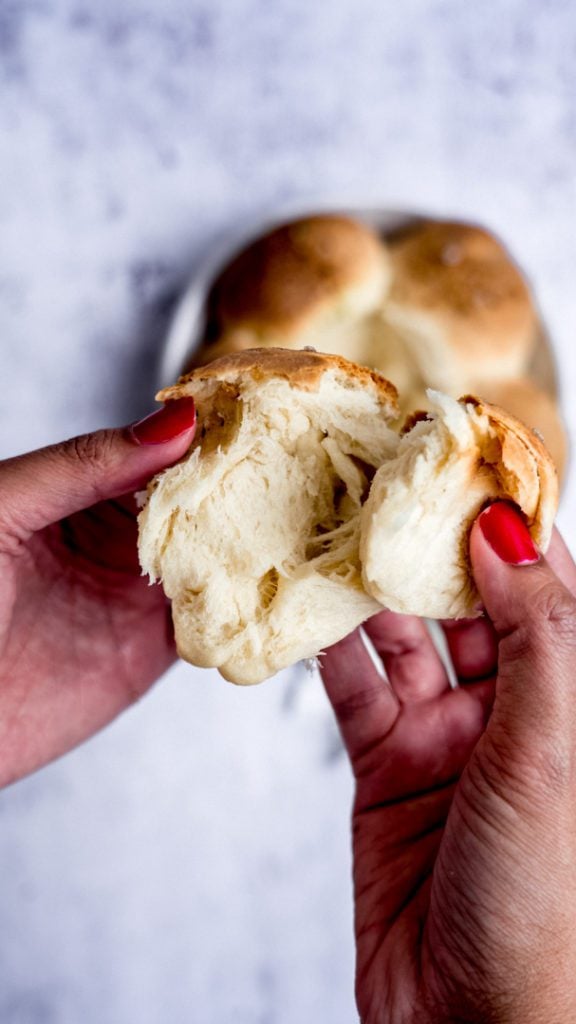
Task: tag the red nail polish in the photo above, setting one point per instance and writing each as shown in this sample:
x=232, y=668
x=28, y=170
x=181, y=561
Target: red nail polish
x=173, y=419
x=507, y=534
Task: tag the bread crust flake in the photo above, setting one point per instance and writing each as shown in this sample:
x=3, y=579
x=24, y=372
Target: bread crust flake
x=303, y=369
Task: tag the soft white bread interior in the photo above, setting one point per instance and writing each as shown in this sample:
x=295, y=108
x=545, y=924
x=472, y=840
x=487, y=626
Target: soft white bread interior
x=298, y=512
x=255, y=534
x=319, y=281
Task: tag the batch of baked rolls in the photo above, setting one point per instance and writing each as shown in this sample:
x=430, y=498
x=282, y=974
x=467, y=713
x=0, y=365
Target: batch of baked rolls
x=360, y=399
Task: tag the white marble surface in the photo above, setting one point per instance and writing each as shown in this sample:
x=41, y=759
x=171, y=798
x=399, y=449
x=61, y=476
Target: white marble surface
x=191, y=863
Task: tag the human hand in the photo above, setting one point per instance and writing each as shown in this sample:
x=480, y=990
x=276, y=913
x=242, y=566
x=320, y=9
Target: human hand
x=464, y=821
x=82, y=634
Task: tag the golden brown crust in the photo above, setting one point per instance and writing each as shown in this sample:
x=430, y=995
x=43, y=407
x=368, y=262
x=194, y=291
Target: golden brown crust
x=282, y=278
x=520, y=450
x=417, y=416
x=536, y=409
x=304, y=369
x=462, y=276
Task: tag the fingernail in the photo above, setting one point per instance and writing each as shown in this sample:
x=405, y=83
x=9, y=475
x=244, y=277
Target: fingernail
x=507, y=534
x=173, y=419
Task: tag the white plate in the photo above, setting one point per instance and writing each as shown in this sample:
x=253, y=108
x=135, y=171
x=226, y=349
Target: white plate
x=189, y=321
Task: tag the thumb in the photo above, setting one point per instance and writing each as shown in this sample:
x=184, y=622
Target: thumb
x=534, y=616
x=44, y=486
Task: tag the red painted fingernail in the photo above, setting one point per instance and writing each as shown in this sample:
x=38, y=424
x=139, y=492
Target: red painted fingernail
x=173, y=419
x=507, y=534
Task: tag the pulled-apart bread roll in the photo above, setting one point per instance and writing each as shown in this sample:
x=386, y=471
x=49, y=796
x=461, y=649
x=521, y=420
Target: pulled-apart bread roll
x=458, y=310
x=298, y=512
x=415, y=522
x=525, y=400
x=536, y=408
x=318, y=281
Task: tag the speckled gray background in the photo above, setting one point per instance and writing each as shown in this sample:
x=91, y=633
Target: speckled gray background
x=191, y=863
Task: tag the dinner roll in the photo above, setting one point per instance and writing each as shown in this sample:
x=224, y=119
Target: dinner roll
x=458, y=309
x=298, y=512
x=416, y=519
x=319, y=281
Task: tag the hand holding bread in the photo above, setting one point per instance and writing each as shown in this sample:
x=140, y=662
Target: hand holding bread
x=464, y=849
x=300, y=509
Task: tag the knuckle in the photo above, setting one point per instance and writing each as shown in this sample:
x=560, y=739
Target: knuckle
x=550, y=626
x=91, y=449
x=555, y=608
x=94, y=454
x=348, y=708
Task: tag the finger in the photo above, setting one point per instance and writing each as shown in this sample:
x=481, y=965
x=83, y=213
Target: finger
x=473, y=643
x=473, y=648
x=534, y=616
x=364, y=705
x=117, y=521
x=42, y=487
x=410, y=658
x=561, y=562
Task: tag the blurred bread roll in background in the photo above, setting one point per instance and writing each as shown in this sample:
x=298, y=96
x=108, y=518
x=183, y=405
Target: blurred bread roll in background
x=318, y=281
x=299, y=511
x=458, y=306
x=437, y=304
